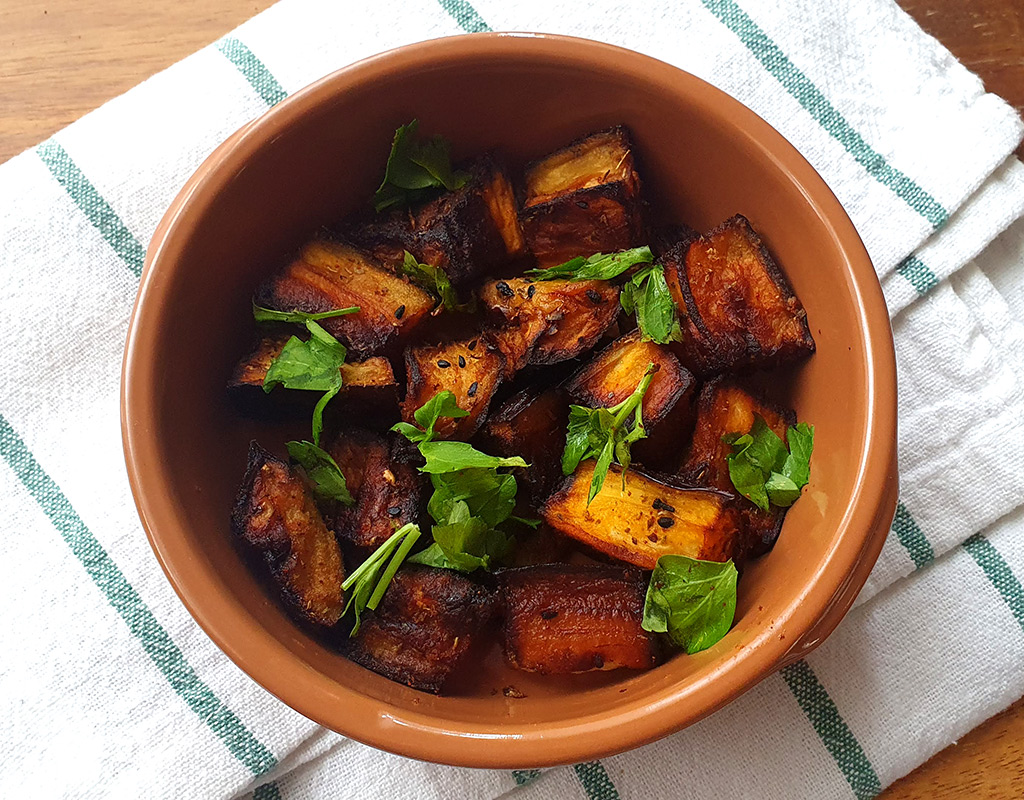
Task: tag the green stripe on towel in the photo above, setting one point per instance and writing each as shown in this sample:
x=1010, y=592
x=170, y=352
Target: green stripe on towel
x=254, y=70
x=100, y=214
x=464, y=14
x=998, y=571
x=828, y=116
x=833, y=730
x=525, y=776
x=918, y=274
x=156, y=642
x=596, y=783
x=911, y=537
x=268, y=791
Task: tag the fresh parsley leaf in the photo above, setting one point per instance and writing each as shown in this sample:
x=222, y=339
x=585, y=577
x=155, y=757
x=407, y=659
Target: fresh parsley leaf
x=370, y=579
x=763, y=470
x=600, y=266
x=442, y=404
x=435, y=280
x=488, y=494
x=323, y=470
x=262, y=314
x=605, y=434
x=465, y=542
x=415, y=167
x=452, y=456
x=693, y=601
x=313, y=365
x=647, y=294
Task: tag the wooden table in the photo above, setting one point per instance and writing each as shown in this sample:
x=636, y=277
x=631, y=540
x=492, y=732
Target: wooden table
x=62, y=58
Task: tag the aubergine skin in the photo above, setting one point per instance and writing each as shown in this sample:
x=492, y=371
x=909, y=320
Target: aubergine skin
x=427, y=621
x=275, y=514
x=566, y=618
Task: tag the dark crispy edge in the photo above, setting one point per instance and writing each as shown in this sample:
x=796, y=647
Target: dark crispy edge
x=686, y=379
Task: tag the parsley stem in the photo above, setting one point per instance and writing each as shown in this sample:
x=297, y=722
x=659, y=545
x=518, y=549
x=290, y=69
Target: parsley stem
x=413, y=533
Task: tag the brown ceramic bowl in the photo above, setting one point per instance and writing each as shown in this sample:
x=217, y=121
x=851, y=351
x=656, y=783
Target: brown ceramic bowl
x=319, y=155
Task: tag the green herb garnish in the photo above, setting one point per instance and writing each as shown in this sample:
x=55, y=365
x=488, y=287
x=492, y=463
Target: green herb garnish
x=416, y=168
x=598, y=267
x=323, y=470
x=471, y=497
x=693, y=601
x=605, y=434
x=763, y=470
x=261, y=314
x=646, y=293
x=313, y=365
x=435, y=280
x=370, y=579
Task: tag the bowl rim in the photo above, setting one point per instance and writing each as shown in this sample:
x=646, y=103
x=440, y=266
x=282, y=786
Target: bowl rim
x=839, y=578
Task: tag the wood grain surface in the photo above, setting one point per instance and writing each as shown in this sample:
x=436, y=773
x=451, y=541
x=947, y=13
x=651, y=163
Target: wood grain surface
x=61, y=58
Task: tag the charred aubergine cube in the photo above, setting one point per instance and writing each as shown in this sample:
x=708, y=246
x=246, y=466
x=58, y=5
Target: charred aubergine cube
x=467, y=232
x=567, y=618
x=583, y=199
x=328, y=275
x=276, y=515
x=387, y=489
x=722, y=408
x=740, y=310
x=551, y=321
x=645, y=520
x=424, y=626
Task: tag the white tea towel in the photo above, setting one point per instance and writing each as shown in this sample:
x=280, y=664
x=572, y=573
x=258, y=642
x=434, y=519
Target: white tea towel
x=108, y=687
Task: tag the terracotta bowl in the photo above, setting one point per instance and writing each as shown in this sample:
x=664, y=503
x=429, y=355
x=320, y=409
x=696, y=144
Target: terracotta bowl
x=319, y=155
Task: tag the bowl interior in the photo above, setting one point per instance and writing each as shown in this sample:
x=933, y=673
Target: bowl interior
x=703, y=158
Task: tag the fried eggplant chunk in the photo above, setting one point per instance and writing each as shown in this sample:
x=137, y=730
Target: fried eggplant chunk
x=276, y=515
x=532, y=425
x=329, y=275
x=388, y=491
x=740, y=309
x=424, y=626
x=574, y=314
x=563, y=618
x=614, y=373
x=583, y=199
x=472, y=369
x=725, y=407
x=647, y=520
x=467, y=232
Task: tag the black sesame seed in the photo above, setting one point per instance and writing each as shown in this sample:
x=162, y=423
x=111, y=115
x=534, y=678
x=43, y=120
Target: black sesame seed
x=547, y=613
x=666, y=522
x=472, y=345
x=504, y=289
x=661, y=505
x=471, y=391
x=531, y=290
x=443, y=364
x=598, y=661
x=462, y=361
x=399, y=312
x=582, y=204
x=394, y=511
x=593, y=296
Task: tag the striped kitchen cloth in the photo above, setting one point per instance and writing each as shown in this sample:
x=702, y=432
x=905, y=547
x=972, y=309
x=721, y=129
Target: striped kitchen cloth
x=107, y=686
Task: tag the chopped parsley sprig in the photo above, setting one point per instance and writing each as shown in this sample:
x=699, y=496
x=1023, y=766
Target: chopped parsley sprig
x=761, y=467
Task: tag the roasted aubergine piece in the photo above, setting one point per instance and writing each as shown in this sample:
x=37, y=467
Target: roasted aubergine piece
x=276, y=515
x=467, y=232
x=368, y=384
x=425, y=624
x=572, y=314
x=613, y=375
x=531, y=424
x=724, y=407
x=329, y=275
x=563, y=618
x=470, y=368
x=583, y=199
x=387, y=488
x=740, y=310
x=646, y=520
